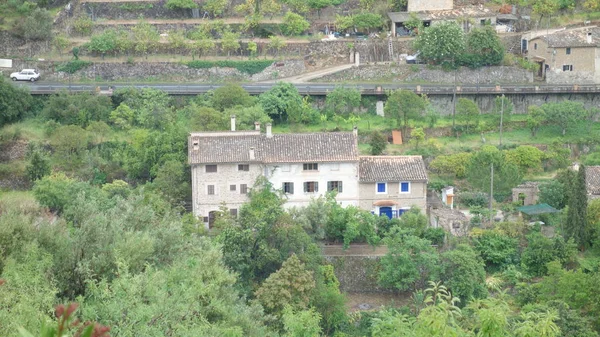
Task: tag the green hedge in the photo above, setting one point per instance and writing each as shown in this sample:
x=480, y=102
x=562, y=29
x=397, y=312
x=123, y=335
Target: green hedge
x=250, y=67
x=72, y=66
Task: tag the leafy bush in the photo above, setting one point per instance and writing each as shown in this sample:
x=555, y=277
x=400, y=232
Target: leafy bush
x=474, y=199
x=83, y=26
x=497, y=250
x=181, y=4
x=73, y=66
x=454, y=164
x=250, y=67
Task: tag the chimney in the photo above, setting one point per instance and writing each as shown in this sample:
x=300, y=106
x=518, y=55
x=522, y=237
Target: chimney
x=269, y=133
x=196, y=145
x=232, y=122
x=589, y=37
x=355, y=130
x=252, y=156
x=257, y=126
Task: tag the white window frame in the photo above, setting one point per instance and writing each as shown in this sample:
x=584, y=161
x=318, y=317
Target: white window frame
x=283, y=187
x=377, y=187
x=400, y=187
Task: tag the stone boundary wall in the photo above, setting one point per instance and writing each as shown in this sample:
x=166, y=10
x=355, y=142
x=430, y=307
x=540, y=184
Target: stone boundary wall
x=570, y=77
x=357, y=273
x=424, y=74
x=113, y=71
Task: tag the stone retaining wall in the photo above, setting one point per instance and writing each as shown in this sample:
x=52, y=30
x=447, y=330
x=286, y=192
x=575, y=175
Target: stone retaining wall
x=111, y=71
x=357, y=273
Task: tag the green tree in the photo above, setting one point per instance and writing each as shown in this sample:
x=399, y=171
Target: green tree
x=290, y=285
x=541, y=250
x=37, y=26
x=301, y=323
x=417, y=136
x=172, y=182
x=14, y=102
x=38, y=167
x=122, y=117
x=252, y=49
x=404, y=106
x=181, y=4
x=117, y=187
x=576, y=224
x=146, y=37
x=246, y=117
x=409, y=263
x=483, y=48
x=506, y=174
x=276, y=43
x=536, y=116
x=215, y=7
x=467, y=113
x=60, y=43
x=318, y=5
x=378, y=143
x=343, y=23
x=342, y=101
x=544, y=7
x=554, y=194
x=103, y=43
x=177, y=39
x=564, y=114
x=230, y=42
x=281, y=101
x=537, y=325
x=28, y=289
x=367, y=21
x=70, y=140
x=294, y=24
x=231, y=95
x=297, y=6
x=203, y=45
x=441, y=44
x=526, y=157
x=497, y=250
x=454, y=164
x=205, y=118
x=462, y=270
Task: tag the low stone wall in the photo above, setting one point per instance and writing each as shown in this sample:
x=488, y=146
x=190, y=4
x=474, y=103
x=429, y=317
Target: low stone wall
x=357, y=273
x=570, y=77
x=423, y=74
x=111, y=71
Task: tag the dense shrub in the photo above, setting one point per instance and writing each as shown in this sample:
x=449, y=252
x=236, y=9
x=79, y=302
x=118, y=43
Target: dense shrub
x=73, y=66
x=250, y=67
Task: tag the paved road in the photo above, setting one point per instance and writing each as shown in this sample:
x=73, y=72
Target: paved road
x=45, y=88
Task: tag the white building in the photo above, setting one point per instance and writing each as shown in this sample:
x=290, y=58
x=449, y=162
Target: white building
x=303, y=165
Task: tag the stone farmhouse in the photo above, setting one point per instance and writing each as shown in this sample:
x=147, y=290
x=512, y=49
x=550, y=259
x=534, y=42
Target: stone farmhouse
x=567, y=56
x=431, y=12
x=302, y=166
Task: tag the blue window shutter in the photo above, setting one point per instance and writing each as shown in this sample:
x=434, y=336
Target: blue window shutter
x=381, y=187
x=404, y=187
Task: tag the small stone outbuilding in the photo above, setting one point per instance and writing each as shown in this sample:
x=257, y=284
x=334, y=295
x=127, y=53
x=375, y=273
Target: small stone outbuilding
x=592, y=180
x=526, y=194
x=451, y=220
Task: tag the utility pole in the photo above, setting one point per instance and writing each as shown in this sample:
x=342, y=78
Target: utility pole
x=501, y=115
x=491, y=189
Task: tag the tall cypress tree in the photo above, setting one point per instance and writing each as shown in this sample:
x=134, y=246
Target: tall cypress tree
x=577, y=215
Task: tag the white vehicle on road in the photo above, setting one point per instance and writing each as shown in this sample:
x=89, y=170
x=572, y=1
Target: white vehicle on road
x=26, y=75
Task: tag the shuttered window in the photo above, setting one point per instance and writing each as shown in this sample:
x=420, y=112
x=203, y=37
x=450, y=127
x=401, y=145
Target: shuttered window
x=334, y=186
x=311, y=187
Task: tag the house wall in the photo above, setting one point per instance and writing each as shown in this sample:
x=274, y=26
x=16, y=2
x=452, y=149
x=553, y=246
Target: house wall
x=583, y=60
x=429, y=5
x=346, y=172
x=226, y=175
x=416, y=197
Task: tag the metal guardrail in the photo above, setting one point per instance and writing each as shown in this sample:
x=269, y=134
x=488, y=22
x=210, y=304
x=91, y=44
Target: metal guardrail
x=323, y=89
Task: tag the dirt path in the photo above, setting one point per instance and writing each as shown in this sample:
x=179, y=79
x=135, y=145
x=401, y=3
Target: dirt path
x=312, y=75
x=237, y=20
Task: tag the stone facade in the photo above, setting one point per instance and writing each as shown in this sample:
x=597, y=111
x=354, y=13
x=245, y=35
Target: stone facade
x=526, y=193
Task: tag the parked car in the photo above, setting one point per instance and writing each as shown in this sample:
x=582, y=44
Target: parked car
x=26, y=75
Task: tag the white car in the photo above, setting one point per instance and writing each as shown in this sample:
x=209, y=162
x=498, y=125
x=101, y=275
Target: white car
x=26, y=75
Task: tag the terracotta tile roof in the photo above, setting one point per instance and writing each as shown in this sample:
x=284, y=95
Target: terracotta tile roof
x=233, y=147
x=392, y=168
x=572, y=38
x=592, y=179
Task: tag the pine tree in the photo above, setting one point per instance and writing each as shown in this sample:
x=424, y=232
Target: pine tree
x=577, y=215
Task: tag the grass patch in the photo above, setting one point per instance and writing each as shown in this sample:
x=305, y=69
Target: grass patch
x=30, y=129
x=73, y=66
x=249, y=67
